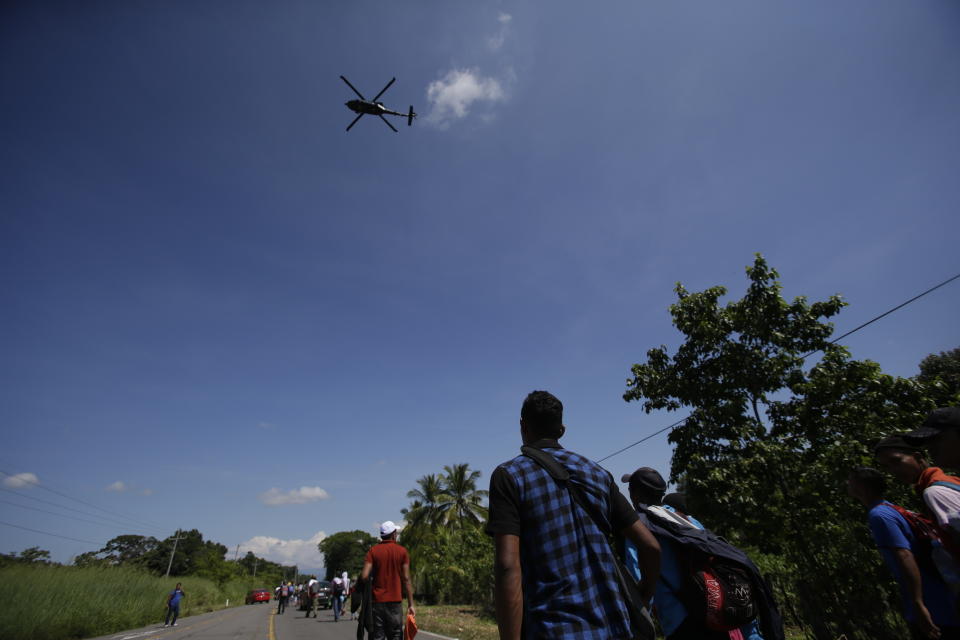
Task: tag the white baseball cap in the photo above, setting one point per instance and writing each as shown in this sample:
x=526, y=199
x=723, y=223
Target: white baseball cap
x=387, y=528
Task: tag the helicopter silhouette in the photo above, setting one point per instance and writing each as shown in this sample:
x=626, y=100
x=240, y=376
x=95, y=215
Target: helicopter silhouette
x=373, y=108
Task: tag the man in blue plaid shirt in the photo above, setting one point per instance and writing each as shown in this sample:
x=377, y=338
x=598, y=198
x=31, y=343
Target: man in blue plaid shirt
x=554, y=568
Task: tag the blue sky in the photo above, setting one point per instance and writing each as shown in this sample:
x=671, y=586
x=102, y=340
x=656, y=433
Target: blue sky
x=211, y=291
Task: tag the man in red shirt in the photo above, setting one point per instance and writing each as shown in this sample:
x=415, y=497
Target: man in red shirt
x=390, y=565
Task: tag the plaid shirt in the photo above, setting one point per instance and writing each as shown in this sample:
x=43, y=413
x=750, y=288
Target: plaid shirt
x=569, y=582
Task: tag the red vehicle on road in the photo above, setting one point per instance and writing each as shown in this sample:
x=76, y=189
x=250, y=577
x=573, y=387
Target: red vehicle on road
x=258, y=595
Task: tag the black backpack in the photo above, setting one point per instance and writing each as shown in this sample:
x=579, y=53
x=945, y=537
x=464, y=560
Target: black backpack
x=717, y=590
x=338, y=588
x=720, y=593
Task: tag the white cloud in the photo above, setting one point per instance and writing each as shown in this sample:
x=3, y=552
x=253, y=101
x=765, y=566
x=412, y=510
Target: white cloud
x=303, y=553
x=21, y=481
x=452, y=96
x=117, y=486
x=495, y=42
x=275, y=497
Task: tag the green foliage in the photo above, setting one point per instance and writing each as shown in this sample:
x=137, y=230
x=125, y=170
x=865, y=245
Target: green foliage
x=31, y=555
x=99, y=600
x=345, y=551
x=456, y=566
x=767, y=447
x=940, y=373
x=451, y=558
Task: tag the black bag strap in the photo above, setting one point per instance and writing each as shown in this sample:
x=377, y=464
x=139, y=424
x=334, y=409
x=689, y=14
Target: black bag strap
x=639, y=615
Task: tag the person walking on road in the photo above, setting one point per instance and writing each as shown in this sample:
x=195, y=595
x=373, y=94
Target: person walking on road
x=312, y=595
x=337, y=598
x=390, y=565
x=283, y=596
x=555, y=571
x=173, y=606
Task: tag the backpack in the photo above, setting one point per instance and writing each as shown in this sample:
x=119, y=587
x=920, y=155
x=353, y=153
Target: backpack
x=284, y=591
x=716, y=590
x=925, y=533
x=721, y=592
x=338, y=588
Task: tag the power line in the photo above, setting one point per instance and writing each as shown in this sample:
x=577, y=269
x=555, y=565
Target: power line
x=62, y=515
x=92, y=515
x=834, y=341
x=47, y=533
x=89, y=504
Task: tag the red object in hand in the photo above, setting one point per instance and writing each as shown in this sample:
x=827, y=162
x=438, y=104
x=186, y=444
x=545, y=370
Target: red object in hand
x=411, y=627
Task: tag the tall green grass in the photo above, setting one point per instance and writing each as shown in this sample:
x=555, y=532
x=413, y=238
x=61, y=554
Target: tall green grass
x=46, y=602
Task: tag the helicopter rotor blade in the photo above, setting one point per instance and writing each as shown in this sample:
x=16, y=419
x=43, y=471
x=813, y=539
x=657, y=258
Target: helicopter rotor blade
x=382, y=91
x=354, y=88
x=387, y=122
x=355, y=121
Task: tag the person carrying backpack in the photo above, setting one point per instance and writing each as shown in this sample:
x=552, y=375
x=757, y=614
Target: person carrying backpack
x=907, y=541
x=939, y=491
x=708, y=589
x=283, y=596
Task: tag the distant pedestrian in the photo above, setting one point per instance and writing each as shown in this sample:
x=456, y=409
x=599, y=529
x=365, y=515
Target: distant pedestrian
x=312, y=595
x=173, y=606
x=390, y=565
x=286, y=588
x=927, y=600
x=345, y=579
x=555, y=571
x=338, y=588
x=940, y=434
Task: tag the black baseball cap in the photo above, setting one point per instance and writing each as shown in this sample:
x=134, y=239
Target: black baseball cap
x=645, y=478
x=937, y=421
x=897, y=442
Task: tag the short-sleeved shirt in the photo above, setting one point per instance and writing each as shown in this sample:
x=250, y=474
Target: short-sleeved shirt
x=891, y=531
x=388, y=559
x=570, y=588
x=175, y=596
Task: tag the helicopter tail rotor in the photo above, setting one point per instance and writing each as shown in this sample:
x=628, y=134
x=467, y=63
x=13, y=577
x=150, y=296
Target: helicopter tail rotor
x=411, y=116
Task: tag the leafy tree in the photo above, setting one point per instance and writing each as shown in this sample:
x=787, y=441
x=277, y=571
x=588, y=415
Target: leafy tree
x=345, y=551
x=767, y=444
x=457, y=567
x=425, y=512
x=940, y=372
x=31, y=555
x=464, y=502
x=128, y=549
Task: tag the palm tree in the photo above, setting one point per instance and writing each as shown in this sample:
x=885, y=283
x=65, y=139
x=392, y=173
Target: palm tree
x=464, y=502
x=425, y=513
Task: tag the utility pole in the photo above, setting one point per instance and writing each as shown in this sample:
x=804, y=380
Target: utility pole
x=236, y=553
x=256, y=561
x=173, y=553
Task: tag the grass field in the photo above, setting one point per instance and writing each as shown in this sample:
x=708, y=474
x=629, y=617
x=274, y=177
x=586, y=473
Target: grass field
x=456, y=621
x=61, y=603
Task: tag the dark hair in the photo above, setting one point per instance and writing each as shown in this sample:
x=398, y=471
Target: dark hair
x=869, y=478
x=676, y=500
x=542, y=412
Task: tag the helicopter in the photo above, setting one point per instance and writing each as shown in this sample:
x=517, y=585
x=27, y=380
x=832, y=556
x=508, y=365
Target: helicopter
x=372, y=107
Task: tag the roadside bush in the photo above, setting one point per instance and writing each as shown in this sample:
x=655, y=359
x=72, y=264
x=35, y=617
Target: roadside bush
x=51, y=602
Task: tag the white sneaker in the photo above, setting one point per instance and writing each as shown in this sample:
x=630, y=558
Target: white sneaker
x=174, y=624
x=165, y=626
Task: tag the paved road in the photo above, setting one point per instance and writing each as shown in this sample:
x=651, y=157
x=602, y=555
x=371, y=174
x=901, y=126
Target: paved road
x=252, y=622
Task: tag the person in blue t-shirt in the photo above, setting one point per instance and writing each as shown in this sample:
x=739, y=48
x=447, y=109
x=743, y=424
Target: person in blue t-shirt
x=173, y=605
x=927, y=601
x=646, y=489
